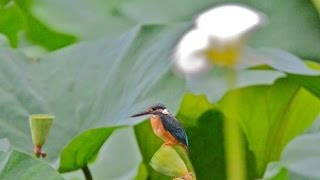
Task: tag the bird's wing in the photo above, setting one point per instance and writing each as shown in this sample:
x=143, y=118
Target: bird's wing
x=171, y=124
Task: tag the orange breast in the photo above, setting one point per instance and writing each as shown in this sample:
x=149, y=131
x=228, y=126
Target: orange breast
x=159, y=130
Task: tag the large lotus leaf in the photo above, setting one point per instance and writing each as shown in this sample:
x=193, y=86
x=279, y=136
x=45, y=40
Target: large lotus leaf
x=271, y=116
x=85, y=19
x=4, y=147
x=289, y=27
x=22, y=166
x=4, y=144
x=89, y=85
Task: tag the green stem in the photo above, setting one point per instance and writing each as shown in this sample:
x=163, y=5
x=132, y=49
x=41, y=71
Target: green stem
x=86, y=172
x=235, y=154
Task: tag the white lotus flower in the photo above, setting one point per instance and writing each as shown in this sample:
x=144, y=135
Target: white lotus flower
x=218, y=37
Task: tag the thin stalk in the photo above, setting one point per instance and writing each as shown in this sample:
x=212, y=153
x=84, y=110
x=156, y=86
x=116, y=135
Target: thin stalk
x=234, y=146
x=86, y=172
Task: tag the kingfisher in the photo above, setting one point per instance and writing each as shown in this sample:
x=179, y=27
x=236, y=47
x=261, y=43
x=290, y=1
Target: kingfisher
x=166, y=126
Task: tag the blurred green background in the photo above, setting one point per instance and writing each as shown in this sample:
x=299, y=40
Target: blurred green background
x=94, y=63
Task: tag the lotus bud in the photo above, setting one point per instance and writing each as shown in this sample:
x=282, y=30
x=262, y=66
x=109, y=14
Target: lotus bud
x=167, y=161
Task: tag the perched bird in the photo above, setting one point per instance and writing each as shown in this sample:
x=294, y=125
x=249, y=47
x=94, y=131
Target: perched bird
x=166, y=126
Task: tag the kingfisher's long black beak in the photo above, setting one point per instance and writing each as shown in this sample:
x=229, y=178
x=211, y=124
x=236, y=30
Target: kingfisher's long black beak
x=141, y=114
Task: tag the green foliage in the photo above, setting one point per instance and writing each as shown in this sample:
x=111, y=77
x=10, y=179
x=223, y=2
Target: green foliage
x=148, y=144
x=22, y=166
x=204, y=126
x=11, y=21
x=316, y=4
x=83, y=149
x=300, y=158
x=15, y=19
x=125, y=67
x=308, y=82
x=271, y=116
x=142, y=172
x=34, y=89
x=110, y=18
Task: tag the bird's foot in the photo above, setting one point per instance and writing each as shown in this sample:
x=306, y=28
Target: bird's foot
x=188, y=176
x=168, y=143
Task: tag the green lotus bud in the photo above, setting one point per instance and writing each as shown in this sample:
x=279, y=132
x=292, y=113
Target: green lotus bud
x=168, y=162
x=40, y=125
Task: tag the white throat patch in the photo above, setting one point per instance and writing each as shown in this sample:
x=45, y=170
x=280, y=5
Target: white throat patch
x=165, y=111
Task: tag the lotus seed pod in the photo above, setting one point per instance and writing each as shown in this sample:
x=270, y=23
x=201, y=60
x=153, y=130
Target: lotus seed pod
x=40, y=125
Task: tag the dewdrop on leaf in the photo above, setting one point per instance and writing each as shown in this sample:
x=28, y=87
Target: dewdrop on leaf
x=218, y=38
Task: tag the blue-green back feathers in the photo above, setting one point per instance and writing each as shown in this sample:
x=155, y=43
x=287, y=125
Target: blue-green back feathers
x=171, y=124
